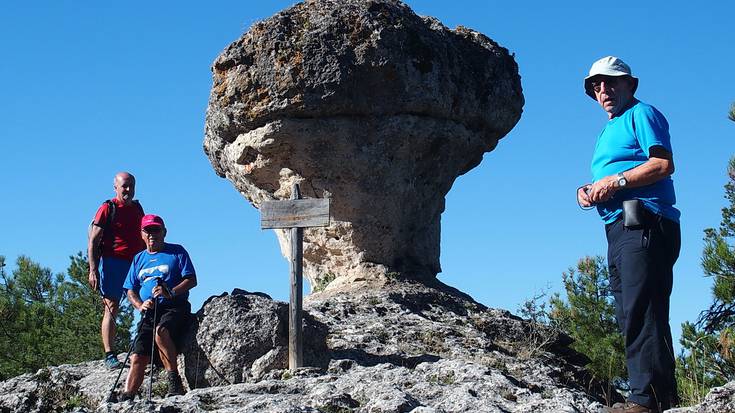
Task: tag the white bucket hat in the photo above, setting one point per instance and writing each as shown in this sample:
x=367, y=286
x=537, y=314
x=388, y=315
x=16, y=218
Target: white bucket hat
x=608, y=66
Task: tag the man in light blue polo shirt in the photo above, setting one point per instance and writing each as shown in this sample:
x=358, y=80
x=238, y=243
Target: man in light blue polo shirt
x=634, y=195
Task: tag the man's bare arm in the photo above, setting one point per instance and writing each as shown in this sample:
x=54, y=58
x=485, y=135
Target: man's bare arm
x=660, y=164
x=137, y=303
x=93, y=256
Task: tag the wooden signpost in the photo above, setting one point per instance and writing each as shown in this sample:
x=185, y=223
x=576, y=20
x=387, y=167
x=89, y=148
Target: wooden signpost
x=295, y=214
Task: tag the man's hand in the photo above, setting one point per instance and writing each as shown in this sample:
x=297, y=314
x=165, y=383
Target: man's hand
x=93, y=280
x=147, y=305
x=603, y=189
x=161, y=290
x=583, y=198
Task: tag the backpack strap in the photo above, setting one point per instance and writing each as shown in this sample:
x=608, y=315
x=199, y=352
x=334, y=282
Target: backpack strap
x=108, y=222
x=112, y=209
x=140, y=207
x=110, y=214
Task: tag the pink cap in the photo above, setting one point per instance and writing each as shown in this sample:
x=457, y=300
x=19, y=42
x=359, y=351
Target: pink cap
x=151, y=220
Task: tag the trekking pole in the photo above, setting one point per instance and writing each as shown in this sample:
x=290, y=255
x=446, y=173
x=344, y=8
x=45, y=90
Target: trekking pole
x=153, y=347
x=127, y=357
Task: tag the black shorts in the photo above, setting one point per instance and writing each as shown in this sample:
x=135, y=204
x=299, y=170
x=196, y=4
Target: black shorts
x=175, y=319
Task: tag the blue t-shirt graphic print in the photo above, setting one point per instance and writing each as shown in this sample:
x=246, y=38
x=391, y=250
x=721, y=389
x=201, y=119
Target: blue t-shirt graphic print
x=170, y=265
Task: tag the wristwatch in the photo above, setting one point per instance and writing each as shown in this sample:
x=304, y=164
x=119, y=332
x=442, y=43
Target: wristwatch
x=621, y=180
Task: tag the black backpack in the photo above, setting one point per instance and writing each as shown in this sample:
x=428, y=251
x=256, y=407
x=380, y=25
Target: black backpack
x=110, y=217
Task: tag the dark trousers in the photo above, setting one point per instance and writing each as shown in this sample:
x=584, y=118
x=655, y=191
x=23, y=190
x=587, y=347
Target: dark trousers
x=641, y=275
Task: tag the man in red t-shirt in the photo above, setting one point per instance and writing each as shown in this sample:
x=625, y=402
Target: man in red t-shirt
x=117, y=230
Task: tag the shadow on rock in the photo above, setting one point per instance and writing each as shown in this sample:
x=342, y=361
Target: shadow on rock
x=348, y=357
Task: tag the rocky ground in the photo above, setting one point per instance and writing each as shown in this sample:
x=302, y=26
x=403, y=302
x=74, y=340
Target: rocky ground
x=719, y=400
x=399, y=347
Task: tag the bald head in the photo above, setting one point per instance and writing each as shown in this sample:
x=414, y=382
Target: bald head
x=124, y=185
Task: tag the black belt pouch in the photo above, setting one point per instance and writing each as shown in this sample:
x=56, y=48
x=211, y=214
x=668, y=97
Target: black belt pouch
x=634, y=214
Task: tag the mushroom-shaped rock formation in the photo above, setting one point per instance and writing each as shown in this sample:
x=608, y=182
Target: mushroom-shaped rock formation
x=371, y=105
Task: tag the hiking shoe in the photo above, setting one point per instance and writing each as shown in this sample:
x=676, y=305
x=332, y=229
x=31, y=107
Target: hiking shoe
x=630, y=407
x=112, y=363
x=124, y=396
x=175, y=386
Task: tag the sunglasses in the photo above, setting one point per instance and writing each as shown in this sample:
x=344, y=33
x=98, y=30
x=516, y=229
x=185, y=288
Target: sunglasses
x=611, y=82
x=152, y=230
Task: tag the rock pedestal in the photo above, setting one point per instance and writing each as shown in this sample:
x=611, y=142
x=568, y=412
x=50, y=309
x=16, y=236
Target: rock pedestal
x=371, y=105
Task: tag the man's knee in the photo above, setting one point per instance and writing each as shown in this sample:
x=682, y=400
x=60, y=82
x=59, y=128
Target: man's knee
x=163, y=336
x=111, y=307
x=137, y=360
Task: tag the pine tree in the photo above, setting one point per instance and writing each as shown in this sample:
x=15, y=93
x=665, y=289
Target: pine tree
x=701, y=365
x=708, y=346
x=588, y=316
x=718, y=261
x=51, y=319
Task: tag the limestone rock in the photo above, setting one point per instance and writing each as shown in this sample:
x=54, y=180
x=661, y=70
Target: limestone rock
x=405, y=348
x=719, y=400
x=61, y=388
x=275, y=359
x=237, y=332
x=371, y=105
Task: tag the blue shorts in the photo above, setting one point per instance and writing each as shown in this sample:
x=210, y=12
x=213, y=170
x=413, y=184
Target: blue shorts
x=112, y=276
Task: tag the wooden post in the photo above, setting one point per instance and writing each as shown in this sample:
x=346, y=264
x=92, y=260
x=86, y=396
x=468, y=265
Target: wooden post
x=295, y=214
x=295, y=331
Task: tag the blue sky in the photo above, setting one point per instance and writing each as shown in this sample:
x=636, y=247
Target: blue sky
x=90, y=88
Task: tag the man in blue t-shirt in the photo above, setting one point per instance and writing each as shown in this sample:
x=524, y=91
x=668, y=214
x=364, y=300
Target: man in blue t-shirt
x=158, y=283
x=634, y=194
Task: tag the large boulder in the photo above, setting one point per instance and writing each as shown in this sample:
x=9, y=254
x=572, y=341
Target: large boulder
x=366, y=103
x=242, y=336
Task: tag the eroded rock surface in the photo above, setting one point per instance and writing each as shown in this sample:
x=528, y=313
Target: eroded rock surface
x=719, y=400
x=407, y=347
x=366, y=103
x=241, y=336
